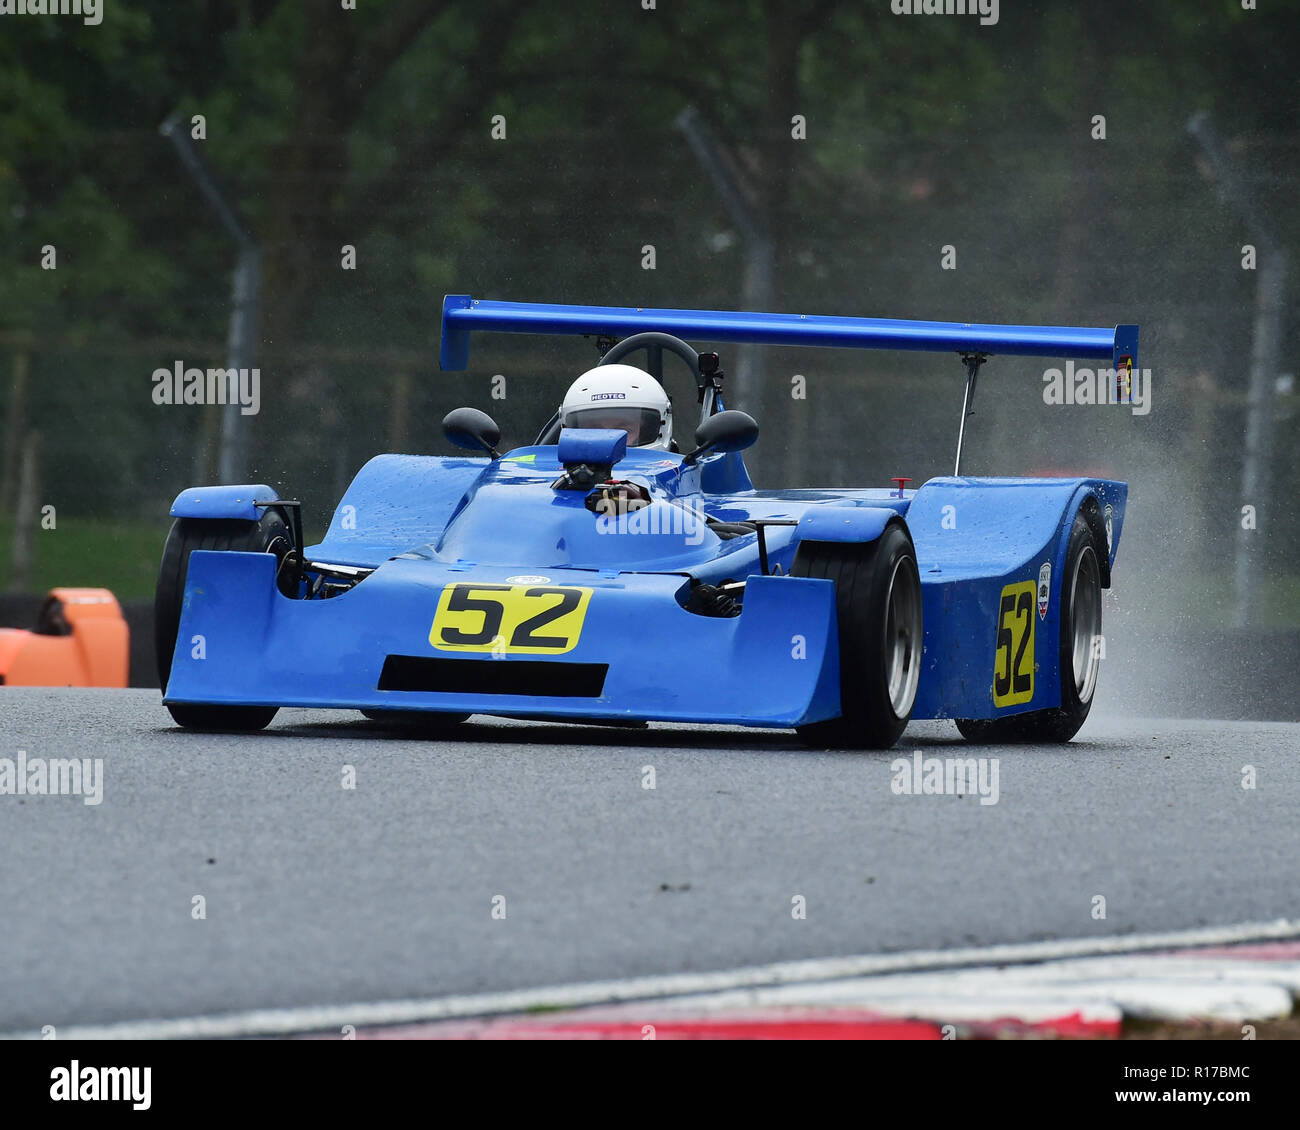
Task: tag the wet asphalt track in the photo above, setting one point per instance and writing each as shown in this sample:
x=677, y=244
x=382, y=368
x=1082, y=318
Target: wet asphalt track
x=318, y=895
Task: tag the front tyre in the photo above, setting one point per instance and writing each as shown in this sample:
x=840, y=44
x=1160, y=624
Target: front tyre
x=1080, y=659
x=878, y=613
x=270, y=534
x=230, y=719
x=429, y=720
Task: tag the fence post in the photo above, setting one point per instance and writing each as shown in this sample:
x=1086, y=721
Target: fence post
x=25, y=514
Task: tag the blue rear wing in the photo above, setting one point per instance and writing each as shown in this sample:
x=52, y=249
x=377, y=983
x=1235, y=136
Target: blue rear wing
x=463, y=315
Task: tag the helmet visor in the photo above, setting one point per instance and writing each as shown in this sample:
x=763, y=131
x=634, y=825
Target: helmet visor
x=641, y=424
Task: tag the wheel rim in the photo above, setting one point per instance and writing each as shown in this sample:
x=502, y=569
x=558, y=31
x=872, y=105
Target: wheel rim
x=1085, y=622
x=903, y=637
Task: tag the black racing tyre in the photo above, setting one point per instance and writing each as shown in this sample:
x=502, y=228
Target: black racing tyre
x=271, y=534
x=224, y=719
x=1080, y=661
x=878, y=601
x=416, y=719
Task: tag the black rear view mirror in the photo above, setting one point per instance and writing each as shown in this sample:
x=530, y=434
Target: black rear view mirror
x=471, y=429
x=723, y=433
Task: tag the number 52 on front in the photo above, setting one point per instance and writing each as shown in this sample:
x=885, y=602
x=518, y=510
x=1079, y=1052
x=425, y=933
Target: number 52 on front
x=509, y=619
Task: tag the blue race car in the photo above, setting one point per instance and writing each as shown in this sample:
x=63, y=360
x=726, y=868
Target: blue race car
x=603, y=575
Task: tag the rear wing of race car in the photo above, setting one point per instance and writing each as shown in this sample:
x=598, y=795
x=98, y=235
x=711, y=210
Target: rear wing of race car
x=462, y=315
x=975, y=343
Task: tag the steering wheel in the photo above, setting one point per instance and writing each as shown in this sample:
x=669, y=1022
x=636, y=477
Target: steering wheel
x=648, y=340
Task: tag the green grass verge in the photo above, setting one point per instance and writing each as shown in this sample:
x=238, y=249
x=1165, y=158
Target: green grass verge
x=91, y=552
x=1208, y=601
x=103, y=553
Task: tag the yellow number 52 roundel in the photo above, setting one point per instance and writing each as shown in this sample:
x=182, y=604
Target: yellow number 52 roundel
x=1013, y=657
x=509, y=619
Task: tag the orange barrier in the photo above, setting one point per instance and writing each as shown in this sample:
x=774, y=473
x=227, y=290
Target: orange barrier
x=81, y=640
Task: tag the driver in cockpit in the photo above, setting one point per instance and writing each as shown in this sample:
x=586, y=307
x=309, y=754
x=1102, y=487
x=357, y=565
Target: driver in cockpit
x=623, y=397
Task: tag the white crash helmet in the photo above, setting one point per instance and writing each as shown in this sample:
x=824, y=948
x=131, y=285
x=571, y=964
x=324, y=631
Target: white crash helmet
x=620, y=396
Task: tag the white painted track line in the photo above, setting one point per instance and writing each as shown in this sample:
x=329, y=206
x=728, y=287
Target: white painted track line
x=324, y=1018
x=949, y=997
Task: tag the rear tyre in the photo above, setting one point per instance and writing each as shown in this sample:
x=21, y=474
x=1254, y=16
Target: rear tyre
x=1080, y=662
x=878, y=605
x=270, y=534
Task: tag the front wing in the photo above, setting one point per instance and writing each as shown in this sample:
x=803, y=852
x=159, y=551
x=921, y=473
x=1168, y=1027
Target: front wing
x=639, y=654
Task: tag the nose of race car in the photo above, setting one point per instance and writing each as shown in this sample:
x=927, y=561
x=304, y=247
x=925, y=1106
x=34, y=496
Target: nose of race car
x=507, y=647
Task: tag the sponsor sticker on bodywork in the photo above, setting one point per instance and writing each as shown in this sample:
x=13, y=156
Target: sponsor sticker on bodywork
x=1124, y=380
